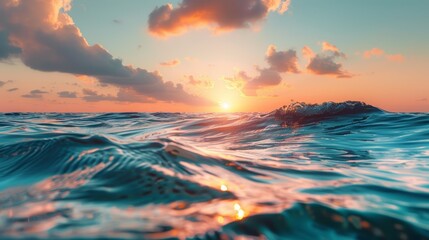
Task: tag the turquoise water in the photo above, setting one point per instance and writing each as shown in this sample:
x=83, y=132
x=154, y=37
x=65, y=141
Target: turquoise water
x=329, y=171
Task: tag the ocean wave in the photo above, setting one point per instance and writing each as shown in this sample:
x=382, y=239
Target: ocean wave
x=299, y=112
x=334, y=170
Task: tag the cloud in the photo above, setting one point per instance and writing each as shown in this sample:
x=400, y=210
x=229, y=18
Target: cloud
x=2, y=83
x=7, y=49
x=282, y=61
x=373, y=52
x=93, y=96
x=49, y=41
x=266, y=78
x=395, y=57
x=324, y=63
x=35, y=94
x=221, y=15
x=67, y=94
x=278, y=61
x=123, y=95
x=326, y=46
x=12, y=89
x=204, y=83
x=308, y=53
x=377, y=52
x=170, y=63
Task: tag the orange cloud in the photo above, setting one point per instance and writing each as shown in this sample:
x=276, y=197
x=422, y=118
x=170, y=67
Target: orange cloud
x=377, y=52
x=170, y=63
x=329, y=47
x=395, y=57
x=221, y=15
x=373, y=52
x=308, y=53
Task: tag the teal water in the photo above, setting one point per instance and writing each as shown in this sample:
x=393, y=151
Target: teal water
x=328, y=171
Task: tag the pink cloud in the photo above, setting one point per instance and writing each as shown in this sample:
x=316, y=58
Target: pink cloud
x=377, y=52
x=395, y=57
x=373, y=52
x=170, y=63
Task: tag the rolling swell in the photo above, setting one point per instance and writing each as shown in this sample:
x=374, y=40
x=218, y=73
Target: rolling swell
x=329, y=171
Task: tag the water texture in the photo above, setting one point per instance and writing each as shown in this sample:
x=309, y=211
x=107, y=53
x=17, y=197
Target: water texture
x=329, y=171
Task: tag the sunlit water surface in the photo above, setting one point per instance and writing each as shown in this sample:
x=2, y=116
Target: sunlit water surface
x=331, y=171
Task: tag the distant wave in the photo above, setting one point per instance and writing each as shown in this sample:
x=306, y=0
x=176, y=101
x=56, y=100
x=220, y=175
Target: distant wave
x=337, y=170
x=303, y=112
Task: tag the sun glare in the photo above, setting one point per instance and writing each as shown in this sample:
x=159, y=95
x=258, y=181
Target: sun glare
x=225, y=105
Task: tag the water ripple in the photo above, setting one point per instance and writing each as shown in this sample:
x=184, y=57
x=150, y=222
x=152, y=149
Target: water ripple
x=329, y=171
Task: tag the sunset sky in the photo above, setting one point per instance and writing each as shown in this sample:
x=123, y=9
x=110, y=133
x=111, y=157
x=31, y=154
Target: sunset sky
x=211, y=55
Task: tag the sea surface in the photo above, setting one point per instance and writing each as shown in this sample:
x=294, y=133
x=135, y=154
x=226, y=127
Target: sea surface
x=330, y=171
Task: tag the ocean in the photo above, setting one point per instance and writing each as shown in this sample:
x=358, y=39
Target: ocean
x=328, y=171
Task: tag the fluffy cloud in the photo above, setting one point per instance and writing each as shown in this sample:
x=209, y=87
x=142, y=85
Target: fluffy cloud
x=204, y=83
x=278, y=61
x=377, y=52
x=48, y=40
x=67, y=94
x=35, y=94
x=222, y=15
x=170, y=63
x=282, y=61
x=324, y=63
x=266, y=78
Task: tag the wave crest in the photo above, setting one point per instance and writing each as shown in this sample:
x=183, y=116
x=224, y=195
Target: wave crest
x=303, y=112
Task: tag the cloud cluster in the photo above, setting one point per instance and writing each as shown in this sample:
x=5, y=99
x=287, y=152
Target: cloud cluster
x=204, y=83
x=325, y=63
x=67, y=94
x=46, y=39
x=377, y=52
x=35, y=94
x=279, y=62
x=221, y=15
x=123, y=95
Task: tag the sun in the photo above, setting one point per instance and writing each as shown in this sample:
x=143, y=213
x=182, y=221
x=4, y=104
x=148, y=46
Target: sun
x=225, y=105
